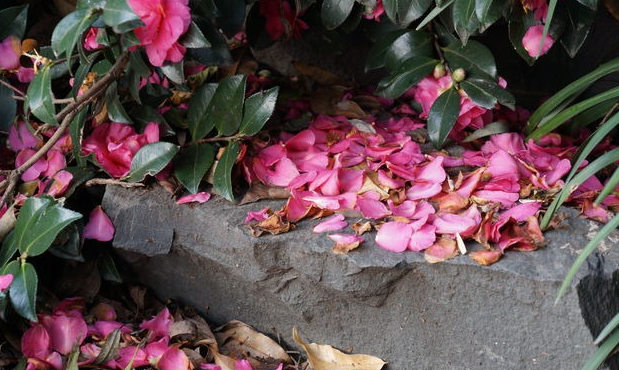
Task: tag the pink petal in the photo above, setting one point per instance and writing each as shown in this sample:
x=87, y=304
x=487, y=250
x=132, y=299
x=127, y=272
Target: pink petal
x=260, y=215
x=521, y=212
x=423, y=190
x=102, y=328
x=506, y=199
x=345, y=238
x=373, y=209
x=65, y=332
x=55, y=162
x=99, y=226
x=432, y=172
x=503, y=165
x=442, y=250
x=532, y=40
x=5, y=281
x=422, y=238
x=21, y=138
x=200, y=197
x=131, y=355
x=209, y=367
x=394, y=236
x=464, y=223
x=242, y=365
x=334, y=223
x=174, y=359
x=33, y=172
x=36, y=342
x=560, y=170
x=60, y=183
x=159, y=325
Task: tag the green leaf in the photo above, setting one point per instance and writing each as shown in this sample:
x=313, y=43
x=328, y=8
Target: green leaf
x=464, y=18
x=115, y=110
x=137, y=71
x=472, y=57
x=109, y=350
x=39, y=222
x=197, y=120
x=218, y=53
x=9, y=248
x=609, y=328
x=75, y=131
x=107, y=268
x=403, y=12
x=119, y=15
x=72, y=360
x=409, y=73
x=486, y=93
x=8, y=108
x=591, y=4
x=570, y=91
x=376, y=55
x=232, y=15
x=334, y=12
x=579, y=21
x=222, y=180
x=443, y=116
x=194, y=38
x=68, y=32
x=488, y=12
x=552, y=5
x=68, y=245
x=174, y=72
x=39, y=96
x=601, y=354
x=258, y=108
x=23, y=291
x=192, y=163
x=411, y=44
x=14, y=20
x=151, y=159
x=490, y=129
x=433, y=14
x=225, y=110
x=609, y=187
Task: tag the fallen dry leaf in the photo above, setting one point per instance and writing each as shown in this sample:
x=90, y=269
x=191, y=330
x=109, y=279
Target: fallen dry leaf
x=272, y=225
x=362, y=227
x=260, y=191
x=325, y=357
x=238, y=338
x=442, y=250
x=328, y=100
x=320, y=75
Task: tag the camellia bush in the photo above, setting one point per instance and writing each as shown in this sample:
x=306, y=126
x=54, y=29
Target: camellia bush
x=129, y=92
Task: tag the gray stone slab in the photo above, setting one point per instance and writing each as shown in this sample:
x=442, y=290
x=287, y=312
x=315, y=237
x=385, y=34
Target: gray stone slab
x=451, y=315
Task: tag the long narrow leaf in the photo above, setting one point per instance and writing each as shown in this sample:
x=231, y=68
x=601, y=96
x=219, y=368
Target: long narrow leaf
x=582, y=257
x=602, y=353
x=569, y=91
x=433, y=14
x=612, y=324
x=610, y=186
x=552, y=5
x=572, y=111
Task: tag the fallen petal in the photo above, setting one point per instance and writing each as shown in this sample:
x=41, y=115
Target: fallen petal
x=442, y=250
x=394, y=236
x=200, y=197
x=486, y=257
x=99, y=226
x=334, y=223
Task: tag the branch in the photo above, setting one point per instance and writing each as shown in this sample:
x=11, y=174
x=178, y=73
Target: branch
x=13, y=88
x=120, y=183
x=65, y=116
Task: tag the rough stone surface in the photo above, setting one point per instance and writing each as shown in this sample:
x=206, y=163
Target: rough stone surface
x=415, y=315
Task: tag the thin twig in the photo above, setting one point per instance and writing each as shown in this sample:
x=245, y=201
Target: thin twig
x=216, y=139
x=120, y=183
x=55, y=101
x=65, y=116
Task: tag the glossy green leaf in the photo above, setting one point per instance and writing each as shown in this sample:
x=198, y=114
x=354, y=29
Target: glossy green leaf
x=9, y=248
x=592, y=114
x=222, y=180
x=490, y=129
x=488, y=12
x=472, y=57
x=225, y=110
x=23, y=291
x=136, y=72
x=443, y=115
x=217, y=53
x=8, y=108
x=570, y=91
x=13, y=20
x=516, y=31
x=90, y=4
x=486, y=93
x=591, y=4
x=68, y=32
x=107, y=268
x=119, y=15
x=194, y=38
x=151, y=159
x=334, y=12
x=75, y=131
x=115, y=110
x=552, y=5
x=39, y=96
x=579, y=21
x=409, y=73
x=192, y=163
x=232, y=15
x=39, y=222
x=109, y=350
x=258, y=108
x=464, y=18
x=68, y=244
x=433, y=14
x=411, y=44
x=403, y=12
x=197, y=120
x=378, y=51
x=175, y=72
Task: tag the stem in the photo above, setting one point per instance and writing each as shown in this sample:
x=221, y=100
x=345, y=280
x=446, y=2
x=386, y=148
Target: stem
x=123, y=184
x=13, y=88
x=65, y=116
x=216, y=139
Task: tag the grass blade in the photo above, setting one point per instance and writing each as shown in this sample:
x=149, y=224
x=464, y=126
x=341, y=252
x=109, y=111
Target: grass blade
x=612, y=324
x=602, y=353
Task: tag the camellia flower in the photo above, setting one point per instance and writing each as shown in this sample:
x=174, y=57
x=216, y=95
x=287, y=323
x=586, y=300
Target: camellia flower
x=99, y=226
x=533, y=38
x=165, y=21
x=114, y=145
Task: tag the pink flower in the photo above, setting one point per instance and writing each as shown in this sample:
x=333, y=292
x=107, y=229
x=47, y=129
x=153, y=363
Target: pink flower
x=114, y=145
x=5, y=281
x=66, y=332
x=165, y=21
x=10, y=51
x=99, y=226
x=200, y=197
x=21, y=137
x=35, y=170
x=533, y=38
x=336, y=222
x=90, y=40
x=59, y=183
x=159, y=325
x=174, y=359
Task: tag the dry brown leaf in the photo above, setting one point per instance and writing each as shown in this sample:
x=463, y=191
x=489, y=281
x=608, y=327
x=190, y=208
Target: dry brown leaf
x=273, y=225
x=320, y=75
x=442, y=250
x=328, y=100
x=237, y=337
x=325, y=357
x=183, y=327
x=260, y=191
x=7, y=222
x=361, y=228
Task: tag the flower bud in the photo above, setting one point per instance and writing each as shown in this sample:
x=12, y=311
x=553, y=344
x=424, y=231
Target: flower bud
x=439, y=71
x=458, y=75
